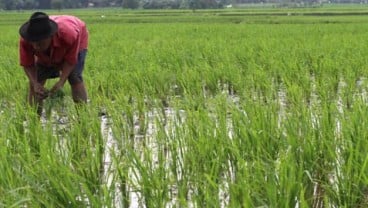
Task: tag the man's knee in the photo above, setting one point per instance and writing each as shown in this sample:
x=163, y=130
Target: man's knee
x=75, y=78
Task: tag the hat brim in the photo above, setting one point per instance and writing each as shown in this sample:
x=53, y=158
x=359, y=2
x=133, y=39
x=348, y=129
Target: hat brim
x=24, y=34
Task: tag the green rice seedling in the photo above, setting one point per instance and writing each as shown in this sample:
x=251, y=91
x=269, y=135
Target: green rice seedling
x=128, y=140
x=257, y=145
x=290, y=163
x=350, y=179
x=53, y=101
x=152, y=178
x=54, y=185
x=87, y=147
x=198, y=167
x=12, y=191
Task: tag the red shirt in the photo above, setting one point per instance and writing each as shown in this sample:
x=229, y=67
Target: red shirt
x=69, y=40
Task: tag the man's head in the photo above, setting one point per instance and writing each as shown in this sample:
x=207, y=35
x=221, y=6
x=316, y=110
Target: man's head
x=38, y=30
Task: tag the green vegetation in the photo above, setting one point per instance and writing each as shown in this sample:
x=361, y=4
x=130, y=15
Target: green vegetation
x=235, y=108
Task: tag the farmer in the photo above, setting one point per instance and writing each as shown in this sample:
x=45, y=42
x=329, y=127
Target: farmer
x=50, y=47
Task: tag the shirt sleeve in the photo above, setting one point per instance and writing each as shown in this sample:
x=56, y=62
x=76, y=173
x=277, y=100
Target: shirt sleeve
x=71, y=55
x=26, y=55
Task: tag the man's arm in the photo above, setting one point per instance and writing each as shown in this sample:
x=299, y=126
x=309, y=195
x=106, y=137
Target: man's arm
x=65, y=72
x=31, y=73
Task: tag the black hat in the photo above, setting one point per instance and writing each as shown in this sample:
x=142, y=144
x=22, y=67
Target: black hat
x=39, y=27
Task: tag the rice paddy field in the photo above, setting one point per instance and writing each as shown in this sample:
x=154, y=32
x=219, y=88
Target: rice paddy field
x=260, y=107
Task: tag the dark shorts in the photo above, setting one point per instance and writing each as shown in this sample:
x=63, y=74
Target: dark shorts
x=75, y=77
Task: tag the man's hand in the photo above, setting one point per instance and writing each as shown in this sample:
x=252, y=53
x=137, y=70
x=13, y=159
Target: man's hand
x=58, y=85
x=40, y=91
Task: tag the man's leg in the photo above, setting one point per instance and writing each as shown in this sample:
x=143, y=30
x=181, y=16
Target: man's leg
x=79, y=92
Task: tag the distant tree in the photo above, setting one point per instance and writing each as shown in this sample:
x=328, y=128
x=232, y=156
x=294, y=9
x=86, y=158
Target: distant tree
x=84, y=3
x=204, y=4
x=130, y=4
x=163, y=4
x=100, y=3
x=19, y=6
x=9, y=4
x=194, y=4
x=44, y=4
x=119, y=2
x=28, y=4
x=57, y=4
x=209, y=4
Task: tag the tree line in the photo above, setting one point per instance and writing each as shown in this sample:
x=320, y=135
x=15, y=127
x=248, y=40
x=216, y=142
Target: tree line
x=130, y=4
x=147, y=4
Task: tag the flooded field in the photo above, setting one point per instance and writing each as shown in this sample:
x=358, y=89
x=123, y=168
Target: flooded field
x=209, y=109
